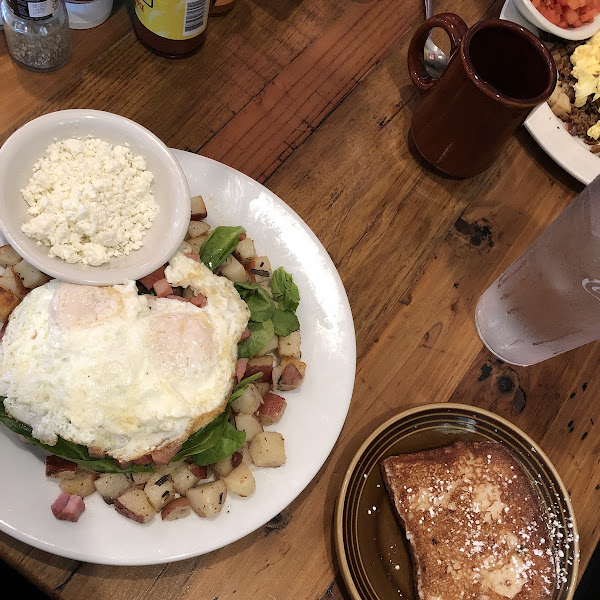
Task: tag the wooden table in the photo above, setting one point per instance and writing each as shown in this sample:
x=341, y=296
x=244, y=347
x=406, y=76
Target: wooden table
x=313, y=99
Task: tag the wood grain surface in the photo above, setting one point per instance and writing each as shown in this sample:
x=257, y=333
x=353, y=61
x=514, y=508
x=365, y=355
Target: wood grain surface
x=313, y=98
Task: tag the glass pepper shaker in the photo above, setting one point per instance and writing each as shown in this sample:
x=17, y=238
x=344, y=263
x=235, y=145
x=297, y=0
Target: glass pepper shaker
x=37, y=33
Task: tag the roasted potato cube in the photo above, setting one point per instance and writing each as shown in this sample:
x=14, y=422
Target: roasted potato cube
x=168, y=468
x=259, y=269
x=263, y=387
x=134, y=504
x=244, y=250
x=11, y=281
x=289, y=345
x=198, y=208
x=260, y=364
x=30, y=276
x=184, y=479
x=248, y=423
x=196, y=243
x=8, y=256
x=241, y=481
x=208, y=499
x=249, y=401
x=289, y=374
x=197, y=228
x=60, y=468
x=223, y=467
x=176, y=509
x=112, y=485
x=159, y=489
x=233, y=270
x=271, y=409
x=141, y=477
x=269, y=346
x=81, y=485
x=267, y=449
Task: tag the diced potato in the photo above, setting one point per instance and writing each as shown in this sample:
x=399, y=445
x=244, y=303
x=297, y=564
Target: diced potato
x=249, y=401
x=208, y=499
x=289, y=345
x=289, y=374
x=245, y=453
x=241, y=481
x=30, y=276
x=11, y=281
x=264, y=387
x=196, y=243
x=176, y=509
x=198, y=208
x=134, y=504
x=168, y=468
x=60, y=468
x=223, y=467
x=81, y=485
x=269, y=346
x=248, y=423
x=184, y=479
x=233, y=270
x=141, y=477
x=8, y=256
x=197, y=228
x=200, y=471
x=271, y=409
x=259, y=269
x=267, y=449
x=112, y=485
x=245, y=250
x=260, y=364
x=160, y=490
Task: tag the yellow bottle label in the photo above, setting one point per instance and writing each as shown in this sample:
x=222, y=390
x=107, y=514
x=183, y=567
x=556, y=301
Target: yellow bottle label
x=173, y=19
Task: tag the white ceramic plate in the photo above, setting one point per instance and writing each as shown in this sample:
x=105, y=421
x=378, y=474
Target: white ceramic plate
x=315, y=412
x=549, y=132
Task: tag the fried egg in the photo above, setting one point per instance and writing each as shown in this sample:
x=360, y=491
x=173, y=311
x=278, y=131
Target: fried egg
x=119, y=372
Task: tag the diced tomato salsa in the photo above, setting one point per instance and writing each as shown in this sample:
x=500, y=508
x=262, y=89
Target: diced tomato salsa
x=568, y=13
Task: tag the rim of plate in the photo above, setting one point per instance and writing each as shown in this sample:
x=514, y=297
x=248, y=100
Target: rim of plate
x=441, y=407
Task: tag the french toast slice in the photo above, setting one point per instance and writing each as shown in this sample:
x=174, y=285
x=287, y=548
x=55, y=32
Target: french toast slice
x=474, y=523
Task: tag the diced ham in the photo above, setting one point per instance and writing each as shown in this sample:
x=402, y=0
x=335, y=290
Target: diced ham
x=241, y=365
x=59, y=467
x=68, y=507
x=149, y=280
x=193, y=256
x=199, y=300
x=175, y=297
x=143, y=460
x=123, y=464
x=164, y=455
x=96, y=453
x=162, y=288
x=271, y=410
x=245, y=334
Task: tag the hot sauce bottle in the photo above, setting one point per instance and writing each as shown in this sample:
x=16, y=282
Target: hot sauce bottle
x=171, y=28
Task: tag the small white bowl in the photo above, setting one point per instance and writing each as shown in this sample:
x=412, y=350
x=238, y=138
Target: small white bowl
x=526, y=8
x=28, y=144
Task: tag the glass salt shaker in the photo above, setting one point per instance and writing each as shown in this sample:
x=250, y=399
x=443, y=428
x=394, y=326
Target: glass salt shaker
x=37, y=33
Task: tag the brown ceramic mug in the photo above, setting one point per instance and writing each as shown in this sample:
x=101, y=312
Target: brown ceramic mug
x=498, y=71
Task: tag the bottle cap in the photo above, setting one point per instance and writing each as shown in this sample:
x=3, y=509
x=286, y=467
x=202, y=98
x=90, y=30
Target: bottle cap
x=88, y=13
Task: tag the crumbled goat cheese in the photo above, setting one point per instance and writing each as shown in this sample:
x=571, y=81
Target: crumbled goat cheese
x=90, y=201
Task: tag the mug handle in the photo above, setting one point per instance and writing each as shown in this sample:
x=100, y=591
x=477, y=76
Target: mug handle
x=453, y=25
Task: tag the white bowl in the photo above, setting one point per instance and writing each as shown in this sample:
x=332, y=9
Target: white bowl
x=24, y=147
x=526, y=8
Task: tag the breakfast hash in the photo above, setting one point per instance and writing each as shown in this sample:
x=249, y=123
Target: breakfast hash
x=156, y=394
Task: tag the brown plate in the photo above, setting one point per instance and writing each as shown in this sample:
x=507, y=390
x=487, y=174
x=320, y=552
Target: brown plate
x=372, y=549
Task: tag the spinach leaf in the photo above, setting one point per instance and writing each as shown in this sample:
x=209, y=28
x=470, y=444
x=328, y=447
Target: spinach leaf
x=261, y=333
x=228, y=443
x=219, y=245
x=259, y=302
x=285, y=291
x=284, y=322
x=68, y=450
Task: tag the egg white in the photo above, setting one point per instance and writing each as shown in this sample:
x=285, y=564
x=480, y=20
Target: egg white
x=120, y=372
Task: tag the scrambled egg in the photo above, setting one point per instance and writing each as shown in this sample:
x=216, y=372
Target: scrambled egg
x=586, y=69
